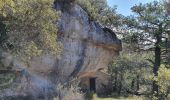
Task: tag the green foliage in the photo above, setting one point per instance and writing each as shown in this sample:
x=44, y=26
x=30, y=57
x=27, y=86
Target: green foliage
x=27, y=28
x=32, y=50
x=89, y=95
x=99, y=11
x=163, y=81
x=5, y=7
x=147, y=28
x=6, y=80
x=31, y=27
x=129, y=71
x=167, y=5
x=91, y=10
x=148, y=20
x=72, y=92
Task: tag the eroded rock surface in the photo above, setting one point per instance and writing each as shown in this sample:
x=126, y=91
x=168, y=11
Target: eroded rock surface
x=87, y=46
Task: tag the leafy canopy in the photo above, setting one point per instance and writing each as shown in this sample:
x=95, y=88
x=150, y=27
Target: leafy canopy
x=99, y=11
x=31, y=27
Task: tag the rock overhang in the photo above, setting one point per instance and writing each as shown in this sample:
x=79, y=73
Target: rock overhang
x=87, y=45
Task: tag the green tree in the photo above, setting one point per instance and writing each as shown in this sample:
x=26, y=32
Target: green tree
x=167, y=5
x=129, y=71
x=31, y=27
x=27, y=28
x=99, y=11
x=6, y=6
x=149, y=25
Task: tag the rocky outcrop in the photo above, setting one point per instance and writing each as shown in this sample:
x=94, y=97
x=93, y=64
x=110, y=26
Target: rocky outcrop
x=88, y=46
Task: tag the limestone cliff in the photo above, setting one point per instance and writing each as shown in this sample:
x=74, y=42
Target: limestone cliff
x=87, y=48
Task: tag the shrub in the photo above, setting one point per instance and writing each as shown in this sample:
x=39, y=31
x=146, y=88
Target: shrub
x=68, y=93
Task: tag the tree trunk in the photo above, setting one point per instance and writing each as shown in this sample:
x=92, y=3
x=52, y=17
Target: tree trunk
x=137, y=83
x=132, y=86
x=115, y=84
x=120, y=85
x=157, y=61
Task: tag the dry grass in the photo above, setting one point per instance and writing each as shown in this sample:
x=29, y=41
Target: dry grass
x=120, y=98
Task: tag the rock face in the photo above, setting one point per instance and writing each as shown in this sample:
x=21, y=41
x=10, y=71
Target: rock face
x=88, y=46
x=87, y=49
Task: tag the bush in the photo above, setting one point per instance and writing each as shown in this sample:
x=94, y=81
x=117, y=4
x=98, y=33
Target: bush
x=163, y=80
x=68, y=93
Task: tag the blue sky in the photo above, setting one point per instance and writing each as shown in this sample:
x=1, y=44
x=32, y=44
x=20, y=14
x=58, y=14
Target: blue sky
x=123, y=6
